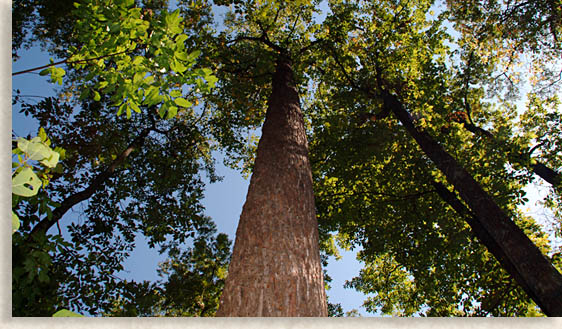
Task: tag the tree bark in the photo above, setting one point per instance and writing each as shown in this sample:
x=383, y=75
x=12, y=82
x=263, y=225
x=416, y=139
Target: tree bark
x=275, y=268
x=532, y=270
x=478, y=230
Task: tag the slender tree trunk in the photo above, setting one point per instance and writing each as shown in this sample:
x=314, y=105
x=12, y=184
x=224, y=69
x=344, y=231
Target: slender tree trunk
x=540, y=169
x=43, y=226
x=532, y=270
x=479, y=231
x=275, y=268
x=547, y=173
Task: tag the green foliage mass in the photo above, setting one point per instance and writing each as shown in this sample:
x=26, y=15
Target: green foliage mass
x=193, y=282
x=375, y=188
x=188, y=88
x=25, y=179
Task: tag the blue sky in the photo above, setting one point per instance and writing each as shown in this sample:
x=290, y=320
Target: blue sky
x=223, y=200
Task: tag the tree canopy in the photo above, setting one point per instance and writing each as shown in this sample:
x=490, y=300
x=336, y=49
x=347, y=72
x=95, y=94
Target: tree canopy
x=150, y=91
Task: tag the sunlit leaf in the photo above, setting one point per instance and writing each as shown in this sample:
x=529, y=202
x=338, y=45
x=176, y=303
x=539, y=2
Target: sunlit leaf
x=26, y=183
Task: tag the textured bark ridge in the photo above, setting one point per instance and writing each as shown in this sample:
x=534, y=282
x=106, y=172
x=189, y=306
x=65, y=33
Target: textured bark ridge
x=275, y=268
x=503, y=238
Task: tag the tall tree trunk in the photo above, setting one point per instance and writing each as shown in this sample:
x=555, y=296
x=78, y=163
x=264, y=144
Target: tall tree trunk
x=275, y=268
x=507, y=242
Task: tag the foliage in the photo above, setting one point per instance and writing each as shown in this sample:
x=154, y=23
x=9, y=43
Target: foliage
x=518, y=37
x=244, y=53
x=25, y=182
x=374, y=188
x=159, y=179
x=113, y=34
x=194, y=279
x=66, y=313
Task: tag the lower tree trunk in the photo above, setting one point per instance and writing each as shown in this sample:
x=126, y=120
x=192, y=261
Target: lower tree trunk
x=275, y=269
x=506, y=241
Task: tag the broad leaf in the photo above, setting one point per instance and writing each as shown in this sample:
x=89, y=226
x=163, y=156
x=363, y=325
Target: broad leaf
x=67, y=314
x=26, y=183
x=15, y=222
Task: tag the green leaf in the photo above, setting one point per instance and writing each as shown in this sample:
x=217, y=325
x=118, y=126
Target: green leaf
x=172, y=111
x=182, y=102
x=43, y=277
x=176, y=93
x=181, y=55
x=180, y=39
x=45, y=71
x=153, y=96
x=138, y=77
x=37, y=150
x=121, y=108
x=42, y=135
x=84, y=94
x=138, y=60
x=52, y=160
x=211, y=81
x=15, y=222
x=26, y=183
x=149, y=80
x=193, y=55
x=66, y=314
x=173, y=21
x=177, y=66
x=162, y=110
x=135, y=107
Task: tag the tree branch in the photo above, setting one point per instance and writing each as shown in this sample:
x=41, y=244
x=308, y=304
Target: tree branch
x=540, y=169
x=67, y=62
x=46, y=223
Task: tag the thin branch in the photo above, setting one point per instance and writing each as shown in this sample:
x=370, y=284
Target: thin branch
x=310, y=45
x=552, y=83
x=96, y=183
x=466, y=87
x=534, y=148
x=67, y=62
x=263, y=39
x=292, y=30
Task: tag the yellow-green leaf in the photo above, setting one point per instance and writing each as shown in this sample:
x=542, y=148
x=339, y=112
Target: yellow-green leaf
x=15, y=222
x=182, y=102
x=26, y=183
x=66, y=313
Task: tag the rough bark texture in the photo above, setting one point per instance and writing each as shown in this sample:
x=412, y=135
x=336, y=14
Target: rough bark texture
x=275, y=268
x=508, y=243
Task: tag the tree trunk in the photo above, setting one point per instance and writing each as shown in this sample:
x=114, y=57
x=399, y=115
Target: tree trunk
x=275, y=268
x=532, y=270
